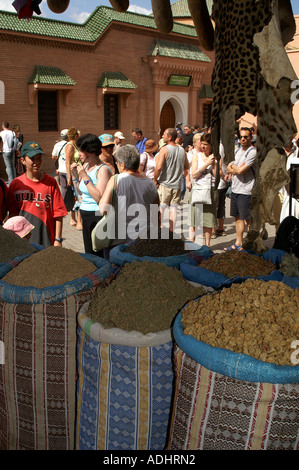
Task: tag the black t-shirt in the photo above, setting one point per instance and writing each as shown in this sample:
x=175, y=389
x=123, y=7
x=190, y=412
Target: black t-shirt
x=187, y=140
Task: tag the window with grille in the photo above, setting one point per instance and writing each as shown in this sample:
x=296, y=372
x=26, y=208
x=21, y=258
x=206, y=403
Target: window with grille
x=47, y=111
x=206, y=114
x=111, y=111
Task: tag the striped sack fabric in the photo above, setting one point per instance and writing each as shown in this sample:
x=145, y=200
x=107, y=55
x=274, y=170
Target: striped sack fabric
x=124, y=392
x=38, y=366
x=212, y=411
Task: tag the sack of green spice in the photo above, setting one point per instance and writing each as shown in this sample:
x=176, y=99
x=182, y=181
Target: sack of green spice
x=125, y=372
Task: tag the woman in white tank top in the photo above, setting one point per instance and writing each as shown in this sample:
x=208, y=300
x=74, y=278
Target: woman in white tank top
x=204, y=172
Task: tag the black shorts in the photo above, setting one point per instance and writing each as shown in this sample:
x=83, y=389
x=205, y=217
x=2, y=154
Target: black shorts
x=240, y=206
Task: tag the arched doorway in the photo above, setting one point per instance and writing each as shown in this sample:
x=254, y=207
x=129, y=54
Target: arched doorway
x=167, y=117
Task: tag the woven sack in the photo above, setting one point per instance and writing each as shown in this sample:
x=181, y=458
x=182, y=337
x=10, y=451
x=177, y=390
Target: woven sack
x=38, y=377
x=229, y=401
x=192, y=271
x=124, y=387
x=120, y=257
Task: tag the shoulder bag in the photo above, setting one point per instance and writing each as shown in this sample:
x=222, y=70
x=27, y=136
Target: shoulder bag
x=201, y=193
x=105, y=225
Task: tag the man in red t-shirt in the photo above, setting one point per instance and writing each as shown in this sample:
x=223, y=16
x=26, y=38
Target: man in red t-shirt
x=36, y=196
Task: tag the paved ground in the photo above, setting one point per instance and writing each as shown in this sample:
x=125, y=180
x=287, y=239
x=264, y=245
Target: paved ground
x=73, y=238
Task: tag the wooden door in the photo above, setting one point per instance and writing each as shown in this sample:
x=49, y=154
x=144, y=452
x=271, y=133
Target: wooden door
x=167, y=117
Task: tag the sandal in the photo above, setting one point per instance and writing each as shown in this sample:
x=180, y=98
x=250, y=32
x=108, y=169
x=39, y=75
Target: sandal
x=220, y=233
x=213, y=235
x=234, y=247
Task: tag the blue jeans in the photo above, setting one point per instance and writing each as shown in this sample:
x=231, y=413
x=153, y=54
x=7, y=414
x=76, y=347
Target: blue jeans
x=9, y=160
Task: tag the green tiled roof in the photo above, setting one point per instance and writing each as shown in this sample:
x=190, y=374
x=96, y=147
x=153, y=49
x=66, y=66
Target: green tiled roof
x=50, y=76
x=177, y=50
x=89, y=31
x=180, y=9
x=115, y=80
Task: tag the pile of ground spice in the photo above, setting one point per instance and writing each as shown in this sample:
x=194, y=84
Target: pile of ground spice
x=144, y=297
x=258, y=318
x=11, y=245
x=52, y=266
x=157, y=248
x=234, y=263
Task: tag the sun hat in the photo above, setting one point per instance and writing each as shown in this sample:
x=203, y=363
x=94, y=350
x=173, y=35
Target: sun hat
x=150, y=146
x=106, y=140
x=19, y=225
x=119, y=135
x=30, y=149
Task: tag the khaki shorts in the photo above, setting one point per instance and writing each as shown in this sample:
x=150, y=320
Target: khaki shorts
x=169, y=196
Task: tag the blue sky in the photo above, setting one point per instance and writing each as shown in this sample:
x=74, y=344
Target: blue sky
x=78, y=10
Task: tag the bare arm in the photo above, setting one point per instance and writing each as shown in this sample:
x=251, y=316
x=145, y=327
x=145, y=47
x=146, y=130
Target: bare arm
x=106, y=197
x=234, y=169
x=159, y=164
x=69, y=154
x=103, y=176
x=58, y=230
x=187, y=173
x=197, y=173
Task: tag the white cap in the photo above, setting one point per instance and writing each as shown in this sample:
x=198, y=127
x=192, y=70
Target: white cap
x=64, y=132
x=119, y=135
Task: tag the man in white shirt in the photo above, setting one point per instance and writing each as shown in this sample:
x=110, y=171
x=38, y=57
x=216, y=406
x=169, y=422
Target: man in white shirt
x=8, y=153
x=242, y=171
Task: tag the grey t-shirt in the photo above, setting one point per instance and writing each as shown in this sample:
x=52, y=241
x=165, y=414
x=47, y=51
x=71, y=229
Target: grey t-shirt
x=243, y=184
x=172, y=171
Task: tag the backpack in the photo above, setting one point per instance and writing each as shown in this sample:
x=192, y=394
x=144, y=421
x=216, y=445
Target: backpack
x=287, y=236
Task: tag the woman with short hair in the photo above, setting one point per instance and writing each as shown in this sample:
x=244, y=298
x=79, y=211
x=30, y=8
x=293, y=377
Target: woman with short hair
x=135, y=193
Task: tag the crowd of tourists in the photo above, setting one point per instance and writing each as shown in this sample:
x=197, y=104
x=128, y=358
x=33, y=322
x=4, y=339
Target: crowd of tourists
x=96, y=173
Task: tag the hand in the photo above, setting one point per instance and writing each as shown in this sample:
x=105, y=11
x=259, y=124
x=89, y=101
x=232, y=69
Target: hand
x=81, y=171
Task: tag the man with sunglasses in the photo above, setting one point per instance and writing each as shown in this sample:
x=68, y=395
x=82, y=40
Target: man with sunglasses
x=242, y=174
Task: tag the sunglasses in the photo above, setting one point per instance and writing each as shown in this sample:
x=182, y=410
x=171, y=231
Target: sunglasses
x=244, y=137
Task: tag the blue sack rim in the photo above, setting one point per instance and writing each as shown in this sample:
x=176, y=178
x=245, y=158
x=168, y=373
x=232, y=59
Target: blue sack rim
x=32, y=295
x=118, y=256
x=235, y=365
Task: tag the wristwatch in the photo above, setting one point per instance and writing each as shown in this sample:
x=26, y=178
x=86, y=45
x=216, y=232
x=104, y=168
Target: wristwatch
x=59, y=240
x=86, y=181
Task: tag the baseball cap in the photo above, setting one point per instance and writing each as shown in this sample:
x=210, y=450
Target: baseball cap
x=106, y=139
x=64, y=132
x=119, y=135
x=179, y=123
x=30, y=149
x=19, y=225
